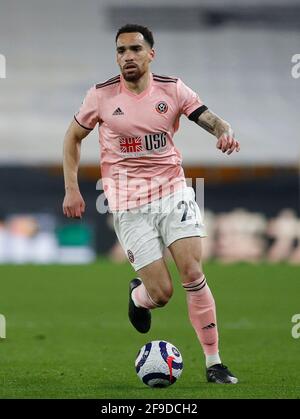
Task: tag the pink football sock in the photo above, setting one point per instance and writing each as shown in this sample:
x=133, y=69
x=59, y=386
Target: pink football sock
x=202, y=313
x=141, y=298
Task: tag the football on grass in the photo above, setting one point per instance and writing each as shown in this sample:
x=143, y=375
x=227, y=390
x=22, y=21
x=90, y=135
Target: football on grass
x=159, y=364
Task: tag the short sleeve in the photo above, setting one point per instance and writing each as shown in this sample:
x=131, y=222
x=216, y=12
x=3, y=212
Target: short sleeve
x=189, y=102
x=88, y=116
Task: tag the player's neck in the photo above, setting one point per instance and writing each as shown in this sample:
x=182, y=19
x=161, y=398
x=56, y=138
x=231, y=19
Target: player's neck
x=140, y=85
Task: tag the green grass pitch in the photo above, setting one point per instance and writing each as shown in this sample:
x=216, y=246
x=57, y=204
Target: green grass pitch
x=68, y=335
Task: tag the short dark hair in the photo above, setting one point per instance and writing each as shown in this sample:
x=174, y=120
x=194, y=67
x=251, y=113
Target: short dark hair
x=131, y=27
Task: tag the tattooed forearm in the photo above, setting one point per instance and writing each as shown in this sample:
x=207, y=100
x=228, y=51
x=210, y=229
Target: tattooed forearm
x=213, y=123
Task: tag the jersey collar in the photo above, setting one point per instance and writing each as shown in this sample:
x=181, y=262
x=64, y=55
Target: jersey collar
x=134, y=95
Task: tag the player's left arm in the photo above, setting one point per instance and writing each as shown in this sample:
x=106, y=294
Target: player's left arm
x=220, y=129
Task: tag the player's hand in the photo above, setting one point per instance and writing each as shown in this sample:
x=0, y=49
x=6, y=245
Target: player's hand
x=73, y=205
x=227, y=142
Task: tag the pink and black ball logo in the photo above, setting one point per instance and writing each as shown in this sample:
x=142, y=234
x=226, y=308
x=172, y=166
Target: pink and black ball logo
x=161, y=107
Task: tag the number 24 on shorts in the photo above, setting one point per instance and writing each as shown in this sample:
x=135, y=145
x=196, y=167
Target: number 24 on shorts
x=187, y=208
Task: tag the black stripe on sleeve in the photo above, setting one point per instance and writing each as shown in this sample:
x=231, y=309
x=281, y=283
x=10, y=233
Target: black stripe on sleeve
x=165, y=77
x=99, y=86
x=164, y=81
x=89, y=129
x=195, y=115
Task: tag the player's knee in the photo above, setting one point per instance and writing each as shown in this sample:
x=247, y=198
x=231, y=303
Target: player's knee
x=162, y=299
x=162, y=295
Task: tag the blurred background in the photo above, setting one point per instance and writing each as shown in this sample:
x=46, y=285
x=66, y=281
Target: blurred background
x=238, y=55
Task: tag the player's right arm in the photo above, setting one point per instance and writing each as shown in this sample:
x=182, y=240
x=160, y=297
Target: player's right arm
x=73, y=204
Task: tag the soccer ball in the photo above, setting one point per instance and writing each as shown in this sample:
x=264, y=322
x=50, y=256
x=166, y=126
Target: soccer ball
x=159, y=364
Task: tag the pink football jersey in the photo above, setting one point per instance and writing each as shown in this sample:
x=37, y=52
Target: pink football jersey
x=139, y=161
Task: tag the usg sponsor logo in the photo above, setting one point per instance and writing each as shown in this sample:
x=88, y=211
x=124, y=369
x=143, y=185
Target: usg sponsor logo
x=155, y=141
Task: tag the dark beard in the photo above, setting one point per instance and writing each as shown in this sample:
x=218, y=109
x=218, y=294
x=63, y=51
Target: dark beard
x=134, y=77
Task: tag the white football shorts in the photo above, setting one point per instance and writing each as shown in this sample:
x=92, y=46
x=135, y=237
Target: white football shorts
x=145, y=231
